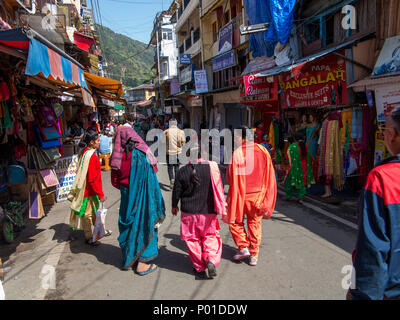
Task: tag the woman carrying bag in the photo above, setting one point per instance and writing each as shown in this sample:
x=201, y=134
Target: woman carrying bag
x=87, y=191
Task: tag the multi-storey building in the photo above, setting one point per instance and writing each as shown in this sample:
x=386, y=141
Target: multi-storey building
x=140, y=98
x=163, y=38
x=225, y=56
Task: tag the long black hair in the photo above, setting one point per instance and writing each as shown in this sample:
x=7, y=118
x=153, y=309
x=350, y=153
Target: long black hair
x=300, y=137
x=90, y=135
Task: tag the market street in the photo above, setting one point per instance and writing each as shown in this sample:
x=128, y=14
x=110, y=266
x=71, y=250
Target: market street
x=301, y=257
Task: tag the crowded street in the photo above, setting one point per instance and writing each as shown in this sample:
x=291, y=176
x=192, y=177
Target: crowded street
x=297, y=244
x=183, y=151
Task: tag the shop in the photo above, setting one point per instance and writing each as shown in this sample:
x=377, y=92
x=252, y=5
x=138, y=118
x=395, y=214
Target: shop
x=42, y=91
x=313, y=101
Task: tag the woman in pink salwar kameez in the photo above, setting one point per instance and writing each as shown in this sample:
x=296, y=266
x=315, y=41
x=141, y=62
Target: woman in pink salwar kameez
x=198, y=186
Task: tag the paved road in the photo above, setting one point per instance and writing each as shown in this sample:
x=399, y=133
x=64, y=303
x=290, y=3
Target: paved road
x=302, y=255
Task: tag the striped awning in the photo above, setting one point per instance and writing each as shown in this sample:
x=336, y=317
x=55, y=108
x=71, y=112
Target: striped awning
x=43, y=60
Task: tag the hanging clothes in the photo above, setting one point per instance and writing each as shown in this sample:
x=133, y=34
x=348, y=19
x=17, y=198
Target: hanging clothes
x=331, y=154
x=356, y=131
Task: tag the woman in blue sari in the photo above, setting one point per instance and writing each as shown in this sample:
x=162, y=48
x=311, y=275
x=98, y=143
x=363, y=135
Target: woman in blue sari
x=142, y=206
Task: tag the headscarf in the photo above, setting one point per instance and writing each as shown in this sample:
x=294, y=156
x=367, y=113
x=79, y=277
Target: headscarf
x=122, y=137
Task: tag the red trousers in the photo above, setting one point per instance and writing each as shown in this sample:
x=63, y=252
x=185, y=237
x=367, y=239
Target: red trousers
x=251, y=239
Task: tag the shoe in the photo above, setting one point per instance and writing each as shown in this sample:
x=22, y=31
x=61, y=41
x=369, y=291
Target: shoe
x=200, y=275
x=149, y=270
x=92, y=243
x=253, y=261
x=212, y=271
x=244, y=253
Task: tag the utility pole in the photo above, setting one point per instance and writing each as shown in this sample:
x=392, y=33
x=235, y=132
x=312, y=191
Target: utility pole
x=158, y=62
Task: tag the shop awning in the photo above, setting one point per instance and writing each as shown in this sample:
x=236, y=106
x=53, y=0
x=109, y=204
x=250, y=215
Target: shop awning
x=297, y=66
x=44, y=58
x=104, y=86
x=372, y=83
x=143, y=103
x=83, y=41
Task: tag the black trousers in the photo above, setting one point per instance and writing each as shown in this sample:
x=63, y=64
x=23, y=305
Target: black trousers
x=173, y=166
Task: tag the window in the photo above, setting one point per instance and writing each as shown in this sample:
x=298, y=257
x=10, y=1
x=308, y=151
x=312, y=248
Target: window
x=186, y=2
x=312, y=31
x=330, y=29
x=169, y=35
x=215, y=32
x=164, y=36
x=180, y=11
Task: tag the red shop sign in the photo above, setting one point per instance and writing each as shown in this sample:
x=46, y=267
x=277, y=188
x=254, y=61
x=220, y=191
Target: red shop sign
x=257, y=86
x=320, y=83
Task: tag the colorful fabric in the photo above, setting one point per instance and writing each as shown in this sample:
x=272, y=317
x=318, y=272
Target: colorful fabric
x=121, y=138
x=347, y=118
x=142, y=207
x=376, y=259
x=77, y=193
x=300, y=175
x=271, y=135
x=334, y=155
x=42, y=59
x=200, y=232
x=218, y=189
x=312, y=140
x=236, y=177
x=356, y=131
x=251, y=239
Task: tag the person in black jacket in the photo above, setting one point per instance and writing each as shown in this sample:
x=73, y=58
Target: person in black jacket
x=195, y=187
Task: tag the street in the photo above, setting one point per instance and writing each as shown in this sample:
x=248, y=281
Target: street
x=301, y=257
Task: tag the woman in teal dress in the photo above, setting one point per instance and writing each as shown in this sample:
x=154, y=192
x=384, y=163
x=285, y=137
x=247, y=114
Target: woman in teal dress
x=142, y=206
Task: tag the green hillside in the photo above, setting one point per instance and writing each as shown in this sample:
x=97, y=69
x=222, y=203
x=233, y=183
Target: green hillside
x=128, y=60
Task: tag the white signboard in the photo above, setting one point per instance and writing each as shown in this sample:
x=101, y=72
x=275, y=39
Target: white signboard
x=200, y=80
x=387, y=99
x=66, y=171
x=186, y=75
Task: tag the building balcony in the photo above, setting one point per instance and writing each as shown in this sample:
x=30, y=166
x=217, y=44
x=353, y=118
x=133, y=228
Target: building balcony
x=186, y=13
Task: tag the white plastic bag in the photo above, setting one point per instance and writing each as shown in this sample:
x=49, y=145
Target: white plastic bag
x=99, y=226
x=2, y=294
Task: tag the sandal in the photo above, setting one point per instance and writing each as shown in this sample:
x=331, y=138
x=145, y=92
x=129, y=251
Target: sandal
x=107, y=233
x=149, y=270
x=94, y=244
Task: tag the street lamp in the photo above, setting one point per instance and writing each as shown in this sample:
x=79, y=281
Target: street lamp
x=261, y=27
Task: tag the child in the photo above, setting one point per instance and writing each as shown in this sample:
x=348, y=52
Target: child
x=199, y=188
